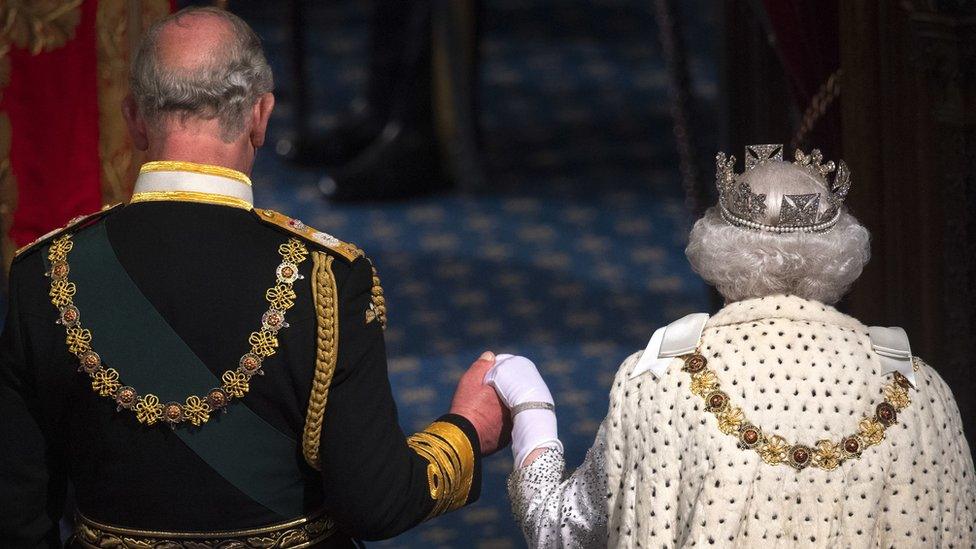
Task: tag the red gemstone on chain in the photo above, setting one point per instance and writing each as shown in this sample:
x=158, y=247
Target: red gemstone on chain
x=59, y=270
x=716, y=401
x=217, y=398
x=886, y=413
x=750, y=436
x=173, y=412
x=695, y=363
x=70, y=315
x=273, y=320
x=250, y=363
x=90, y=361
x=287, y=272
x=799, y=456
x=125, y=397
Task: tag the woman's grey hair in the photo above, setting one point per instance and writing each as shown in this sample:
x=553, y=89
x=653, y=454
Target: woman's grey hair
x=225, y=88
x=745, y=263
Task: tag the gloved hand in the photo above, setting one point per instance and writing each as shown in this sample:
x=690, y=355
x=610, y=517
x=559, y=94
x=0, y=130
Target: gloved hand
x=523, y=391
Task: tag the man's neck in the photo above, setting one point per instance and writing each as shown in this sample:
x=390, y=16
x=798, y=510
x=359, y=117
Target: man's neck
x=204, y=150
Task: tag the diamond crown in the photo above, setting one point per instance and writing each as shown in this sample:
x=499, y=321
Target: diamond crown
x=802, y=212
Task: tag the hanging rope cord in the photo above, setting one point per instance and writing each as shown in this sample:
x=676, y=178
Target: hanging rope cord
x=819, y=105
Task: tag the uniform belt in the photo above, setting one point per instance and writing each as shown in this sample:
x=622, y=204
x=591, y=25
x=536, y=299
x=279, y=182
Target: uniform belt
x=294, y=534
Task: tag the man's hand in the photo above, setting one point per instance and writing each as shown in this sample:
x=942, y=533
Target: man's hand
x=479, y=404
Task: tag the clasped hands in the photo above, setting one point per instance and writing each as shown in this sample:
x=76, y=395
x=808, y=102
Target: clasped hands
x=505, y=399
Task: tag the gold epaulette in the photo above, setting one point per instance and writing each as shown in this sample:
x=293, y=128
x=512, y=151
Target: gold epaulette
x=348, y=251
x=75, y=223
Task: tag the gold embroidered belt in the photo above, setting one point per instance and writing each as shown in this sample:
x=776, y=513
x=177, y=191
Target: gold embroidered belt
x=294, y=534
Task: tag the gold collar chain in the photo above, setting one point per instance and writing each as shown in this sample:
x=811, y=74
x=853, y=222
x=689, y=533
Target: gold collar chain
x=774, y=449
x=235, y=383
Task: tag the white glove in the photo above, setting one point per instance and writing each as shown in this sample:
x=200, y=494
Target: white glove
x=523, y=391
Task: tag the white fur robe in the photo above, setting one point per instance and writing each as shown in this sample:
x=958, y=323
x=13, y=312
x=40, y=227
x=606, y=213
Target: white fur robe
x=661, y=474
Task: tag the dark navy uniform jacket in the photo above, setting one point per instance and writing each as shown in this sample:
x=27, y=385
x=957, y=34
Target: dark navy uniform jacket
x=205, y=268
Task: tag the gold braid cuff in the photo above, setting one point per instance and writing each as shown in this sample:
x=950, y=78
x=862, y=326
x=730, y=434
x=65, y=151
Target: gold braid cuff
x=450, y=469
x=307, y=531
x=326, y=353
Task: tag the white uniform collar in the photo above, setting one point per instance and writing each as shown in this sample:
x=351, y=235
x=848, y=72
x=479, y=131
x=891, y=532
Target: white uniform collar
x=192, y=182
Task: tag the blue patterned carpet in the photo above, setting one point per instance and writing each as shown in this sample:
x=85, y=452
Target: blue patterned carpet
x=575, y=258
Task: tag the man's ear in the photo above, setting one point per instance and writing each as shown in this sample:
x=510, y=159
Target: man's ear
x=135, y=122
x=260, y=114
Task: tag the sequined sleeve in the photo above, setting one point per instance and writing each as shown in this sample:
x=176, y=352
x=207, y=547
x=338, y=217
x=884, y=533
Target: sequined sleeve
x=554, y=510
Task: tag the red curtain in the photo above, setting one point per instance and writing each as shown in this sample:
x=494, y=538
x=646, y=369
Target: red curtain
x=64, y=150
x=52, y=104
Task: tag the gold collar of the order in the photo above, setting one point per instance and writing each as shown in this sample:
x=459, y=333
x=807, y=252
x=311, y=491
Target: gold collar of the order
x=774, y=449
x=147, y=407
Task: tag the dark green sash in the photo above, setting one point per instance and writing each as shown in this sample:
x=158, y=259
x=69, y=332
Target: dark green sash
x=132, y=337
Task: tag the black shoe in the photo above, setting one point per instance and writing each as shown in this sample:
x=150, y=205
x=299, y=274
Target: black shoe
x=401, y=163
x=353, y=132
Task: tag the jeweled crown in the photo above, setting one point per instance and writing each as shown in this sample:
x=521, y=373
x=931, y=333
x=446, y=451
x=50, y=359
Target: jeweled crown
x=781, y=197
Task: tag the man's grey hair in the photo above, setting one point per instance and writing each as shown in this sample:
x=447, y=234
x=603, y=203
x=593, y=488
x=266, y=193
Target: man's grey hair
x=224, y=88
x=744, y=263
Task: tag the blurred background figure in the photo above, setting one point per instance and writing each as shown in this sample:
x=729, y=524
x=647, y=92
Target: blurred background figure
x=420, y=80
x=580, y=136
